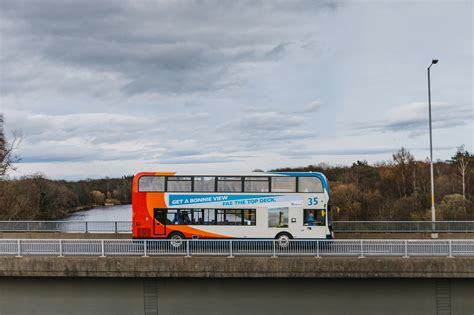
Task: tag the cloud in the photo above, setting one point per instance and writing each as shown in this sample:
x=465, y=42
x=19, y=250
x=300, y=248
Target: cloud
x=267, y=130
x=269, y=121
x=312, y=107
x=198, y=160
x=96, y=127
x=413, y=118
x=107, y=137
x=159, y=47
x=91, y=136
x=277, y=50
x=305, y=152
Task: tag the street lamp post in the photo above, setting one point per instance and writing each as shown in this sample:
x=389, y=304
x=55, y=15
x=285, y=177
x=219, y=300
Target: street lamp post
x=433, y=213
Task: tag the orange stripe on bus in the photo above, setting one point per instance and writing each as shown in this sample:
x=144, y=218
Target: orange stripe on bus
x=190, y=231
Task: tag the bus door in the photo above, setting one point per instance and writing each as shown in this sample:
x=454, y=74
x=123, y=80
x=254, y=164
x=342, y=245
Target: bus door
x=159, y=225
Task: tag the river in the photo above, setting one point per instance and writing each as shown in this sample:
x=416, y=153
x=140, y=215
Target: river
x=109, y=213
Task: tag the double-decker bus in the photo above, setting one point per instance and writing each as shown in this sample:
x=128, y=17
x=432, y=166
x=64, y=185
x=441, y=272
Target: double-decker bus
x=279, y=205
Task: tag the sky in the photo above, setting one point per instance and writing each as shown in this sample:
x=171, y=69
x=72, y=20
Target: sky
x=110, y=88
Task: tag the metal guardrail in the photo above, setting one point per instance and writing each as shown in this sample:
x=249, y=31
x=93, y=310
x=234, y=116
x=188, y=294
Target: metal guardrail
x=235, y=247
x=403, y=226
x=67, y=226
x=339, y=226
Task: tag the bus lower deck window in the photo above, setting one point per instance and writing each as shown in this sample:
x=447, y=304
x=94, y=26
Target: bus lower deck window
x=314, y=217
x=211, y=217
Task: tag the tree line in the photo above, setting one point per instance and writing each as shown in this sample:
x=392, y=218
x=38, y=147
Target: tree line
x=400, y=189
x=38, y=198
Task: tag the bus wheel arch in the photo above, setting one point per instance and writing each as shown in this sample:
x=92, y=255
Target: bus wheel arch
x=283, y=239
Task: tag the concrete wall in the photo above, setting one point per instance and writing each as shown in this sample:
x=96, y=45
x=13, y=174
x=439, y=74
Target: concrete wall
x=240, y=267
x=195, y=296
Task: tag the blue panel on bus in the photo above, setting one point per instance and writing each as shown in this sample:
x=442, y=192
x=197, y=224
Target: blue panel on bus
x=175, y=200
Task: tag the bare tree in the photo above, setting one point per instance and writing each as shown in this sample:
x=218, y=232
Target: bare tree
x=414, y=178
x=7, y=149
x=403, y=160
x=461, y=159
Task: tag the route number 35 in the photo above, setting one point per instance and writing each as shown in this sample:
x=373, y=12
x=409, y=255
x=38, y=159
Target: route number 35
x=312, y=201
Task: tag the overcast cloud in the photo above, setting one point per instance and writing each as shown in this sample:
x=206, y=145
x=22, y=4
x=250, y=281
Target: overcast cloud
x=106, y=88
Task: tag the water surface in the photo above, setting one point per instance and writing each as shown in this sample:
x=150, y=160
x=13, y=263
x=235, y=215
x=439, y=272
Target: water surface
x=110, y=213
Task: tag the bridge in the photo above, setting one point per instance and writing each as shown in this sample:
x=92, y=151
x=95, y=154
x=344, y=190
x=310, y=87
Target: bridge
x=118, y=275
x=238, y=258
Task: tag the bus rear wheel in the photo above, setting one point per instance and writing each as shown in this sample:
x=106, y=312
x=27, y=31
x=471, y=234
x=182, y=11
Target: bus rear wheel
x=283, y=239
x=176, y=239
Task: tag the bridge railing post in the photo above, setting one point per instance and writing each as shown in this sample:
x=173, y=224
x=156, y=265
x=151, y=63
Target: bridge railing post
x=230, y=249
x=145, y=248
x=450, y=243
x=317, y=249
x=274, y=249
x=87, y=229
x=361, y=249
x=102, y=248
x=116, y=230
x=18, y=248
x=406, y=249
x=188, y=254
x=60, y=248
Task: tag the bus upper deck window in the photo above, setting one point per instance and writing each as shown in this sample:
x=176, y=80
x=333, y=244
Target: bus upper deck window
x=309, y=184
x=204, y=184
x=256, y=184
x=229, y=184
x=179, y=183
x=283, y=184
x=151, y=183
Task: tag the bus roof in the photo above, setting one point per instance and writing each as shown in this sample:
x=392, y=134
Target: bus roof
x=250, y=174
x=319, y=175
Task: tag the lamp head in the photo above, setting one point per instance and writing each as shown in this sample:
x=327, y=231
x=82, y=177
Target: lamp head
x=434, y=61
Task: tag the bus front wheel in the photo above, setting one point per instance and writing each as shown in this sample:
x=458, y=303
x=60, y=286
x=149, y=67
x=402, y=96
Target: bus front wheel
x=283, y=239
x=176, y=239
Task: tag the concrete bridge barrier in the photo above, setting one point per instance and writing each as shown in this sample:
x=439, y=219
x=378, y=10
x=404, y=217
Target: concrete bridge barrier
x=239, y=267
